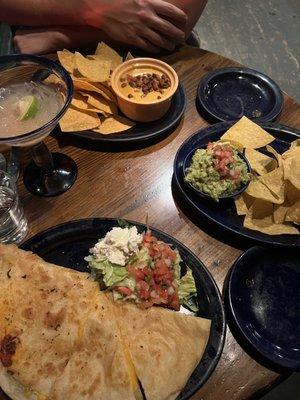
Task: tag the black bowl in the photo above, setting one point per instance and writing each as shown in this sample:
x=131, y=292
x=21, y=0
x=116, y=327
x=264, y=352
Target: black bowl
x=187, y=162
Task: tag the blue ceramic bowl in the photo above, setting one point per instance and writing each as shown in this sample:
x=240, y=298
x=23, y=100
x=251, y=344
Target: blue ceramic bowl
x=187, y=162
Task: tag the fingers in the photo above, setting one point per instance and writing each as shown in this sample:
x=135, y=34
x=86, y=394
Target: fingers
x=167, y=29
x=145, y=45
x=170, y=11
x=157, y=40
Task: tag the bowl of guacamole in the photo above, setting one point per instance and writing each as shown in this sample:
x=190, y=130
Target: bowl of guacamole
x=217, y=170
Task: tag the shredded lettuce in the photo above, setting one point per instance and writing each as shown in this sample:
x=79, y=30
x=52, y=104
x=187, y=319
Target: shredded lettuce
x=112, y=274
x=187, y=285
x=177, y=268
x=187, y=291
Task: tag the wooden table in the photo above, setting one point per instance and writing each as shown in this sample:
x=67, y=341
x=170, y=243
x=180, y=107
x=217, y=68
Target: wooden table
x=134, y=183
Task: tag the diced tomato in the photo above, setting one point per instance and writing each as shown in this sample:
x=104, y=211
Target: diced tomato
x=144, y=290
x=124, y=290
x=174, y=302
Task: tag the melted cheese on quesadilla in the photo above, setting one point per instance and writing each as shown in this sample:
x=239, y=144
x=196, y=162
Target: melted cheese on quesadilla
x=57, y=337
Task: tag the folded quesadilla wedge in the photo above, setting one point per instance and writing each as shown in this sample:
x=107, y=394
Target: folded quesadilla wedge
x=58, y=339
x=165, y=347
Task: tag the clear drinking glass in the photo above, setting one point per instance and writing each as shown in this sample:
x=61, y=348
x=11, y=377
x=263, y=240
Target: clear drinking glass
x=13, y=223
x=49, y=174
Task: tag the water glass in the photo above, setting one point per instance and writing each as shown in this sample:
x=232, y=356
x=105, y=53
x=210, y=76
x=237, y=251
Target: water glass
x=13, y=223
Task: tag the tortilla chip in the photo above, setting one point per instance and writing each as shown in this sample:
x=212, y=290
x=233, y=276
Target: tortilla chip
x=274, y=182
x=278, y=156
x=292, y=152
x=291, y=193
x=98, y=102
x=94, y=70
x=258, y=161
x=114, y=124
x=78, y=120
x=259, y=190
x=67, y=60
x=106, y=53
x=80, y=101
x=260, y=218
x=248, y=134
x=280, y=211
x=292, y=171
x=90, y=87
x=293, y=213
x=243, y=203
x=129, y=57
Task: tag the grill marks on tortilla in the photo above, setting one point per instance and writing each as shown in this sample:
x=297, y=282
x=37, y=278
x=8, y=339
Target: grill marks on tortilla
x=8, y=347
x=54, y=320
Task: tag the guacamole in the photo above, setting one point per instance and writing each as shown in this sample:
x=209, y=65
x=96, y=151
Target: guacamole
x=217, y=170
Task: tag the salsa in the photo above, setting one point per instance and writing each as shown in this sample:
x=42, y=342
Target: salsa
x=217, y=170
x=155, y=283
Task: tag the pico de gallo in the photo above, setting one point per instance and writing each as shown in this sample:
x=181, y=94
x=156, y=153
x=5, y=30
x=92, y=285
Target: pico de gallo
x=217, y=170
x=150, y=273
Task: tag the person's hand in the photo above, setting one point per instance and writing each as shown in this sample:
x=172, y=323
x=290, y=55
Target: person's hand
x=39, y=41
x=148, y=24
x=50, y=39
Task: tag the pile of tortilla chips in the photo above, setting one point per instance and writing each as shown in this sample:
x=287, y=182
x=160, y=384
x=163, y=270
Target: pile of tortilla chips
x=271, y=203
x=94, y=105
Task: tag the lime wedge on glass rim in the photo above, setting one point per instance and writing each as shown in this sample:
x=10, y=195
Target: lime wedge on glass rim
x=28, y=106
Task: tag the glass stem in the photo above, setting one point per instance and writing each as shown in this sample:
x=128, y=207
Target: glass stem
x=42, y=157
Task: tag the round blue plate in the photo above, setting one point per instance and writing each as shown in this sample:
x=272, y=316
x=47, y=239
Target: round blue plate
x=263, y=299
x=67, y=245
x=225, y=215
x=229, y=93
x=142, y=131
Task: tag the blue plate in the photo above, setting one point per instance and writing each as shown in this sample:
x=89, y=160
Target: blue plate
x=143, y=131
x=229, y=93
x=225, y=216
x=67, y=245
x=263, y=300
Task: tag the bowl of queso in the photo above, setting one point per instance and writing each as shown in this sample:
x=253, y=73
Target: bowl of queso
x=144, y=88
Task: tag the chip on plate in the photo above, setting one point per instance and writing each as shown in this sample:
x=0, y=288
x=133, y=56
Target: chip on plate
x=114, y=124
x=67, y=60
x=247, y=134
x=95, y=70
x=89, y=87
x=260, y=218
x=105, y=52
x=78, y=120
x=259, y=190
x=293, y=213
x=274, y=182
x=97, y=101
x=80, y=101
x=258, y=161
x=243, y=203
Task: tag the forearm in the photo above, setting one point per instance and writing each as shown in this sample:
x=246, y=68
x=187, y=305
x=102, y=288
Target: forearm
x=41, y=12
x=193, y=9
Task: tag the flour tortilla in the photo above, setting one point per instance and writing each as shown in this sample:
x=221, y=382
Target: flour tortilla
x=67, y=344
x=165, y=347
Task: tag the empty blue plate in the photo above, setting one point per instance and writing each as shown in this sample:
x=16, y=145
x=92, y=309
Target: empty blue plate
x=229, y=93
x=263, y=301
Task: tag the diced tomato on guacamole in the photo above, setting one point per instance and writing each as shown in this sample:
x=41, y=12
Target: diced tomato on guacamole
x=217, y=170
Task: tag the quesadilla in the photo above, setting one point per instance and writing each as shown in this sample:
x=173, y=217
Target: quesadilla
x=165, y=347
x=57, y=337
x=62, y=338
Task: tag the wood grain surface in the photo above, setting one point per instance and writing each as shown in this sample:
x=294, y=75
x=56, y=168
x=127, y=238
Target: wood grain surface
x=130, y=184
